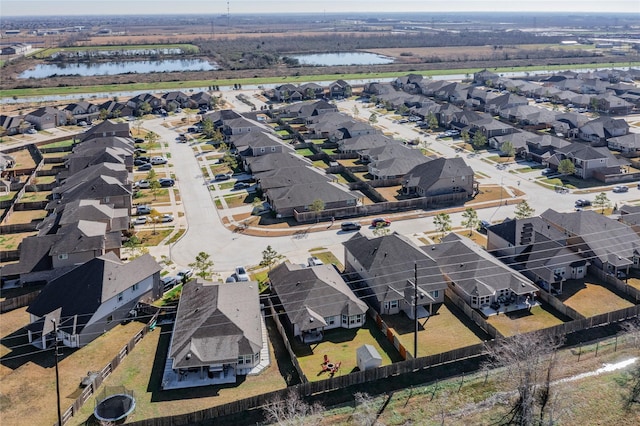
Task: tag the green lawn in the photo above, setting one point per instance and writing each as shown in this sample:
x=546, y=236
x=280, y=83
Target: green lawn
x=443, y=331
x=59, y=144
x=340, y=346
x=524, y=321
x=305, y=152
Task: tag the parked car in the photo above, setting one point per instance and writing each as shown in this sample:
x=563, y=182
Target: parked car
x=166, y=218
x=140, y=220
x=547, y=172
x=143, y=210
x=484, y=224
x=166, y=182
x=145, y=167
x=184, y=274
x=620, y=188
x=139, y=151
x=32, y=131
x=350, y=226
x=138, y=140
x=168, y=282
x=241, y=274
x=314, y=261
x=158, y=160
x=142, y=184
x=241, y=185
x=582, y=203
x=230, y=279
x=222, y=176
x=380, y=221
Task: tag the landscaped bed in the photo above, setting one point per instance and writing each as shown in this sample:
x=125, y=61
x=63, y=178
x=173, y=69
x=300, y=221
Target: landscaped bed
x=446, y=330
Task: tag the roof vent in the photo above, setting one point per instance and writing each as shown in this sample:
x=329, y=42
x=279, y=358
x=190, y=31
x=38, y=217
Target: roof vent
x=188, y=356
x=298, y=283
x=462, y=265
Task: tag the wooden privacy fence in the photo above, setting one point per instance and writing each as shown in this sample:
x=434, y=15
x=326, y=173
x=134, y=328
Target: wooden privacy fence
x=285, y=339
x=106, y=371
x=472, y=314
x=18, y=301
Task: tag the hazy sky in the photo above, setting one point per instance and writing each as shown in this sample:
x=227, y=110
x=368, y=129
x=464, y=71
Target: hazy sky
x=120, y=7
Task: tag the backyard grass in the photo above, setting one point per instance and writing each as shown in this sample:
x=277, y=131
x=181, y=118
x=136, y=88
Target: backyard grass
x=327, y=258
x=305, y=152
x=45, y=179
x=8, y=196
x=590, y=298
x=28, y=378
x=23, y=159
x=320, y=164
x=445, y=330
x=11, y=241
x=524, y=321
x=25, y=216
x=35, y=196
x=390, y=193
x=59, y=144
x=340, y=346
x=141, y=372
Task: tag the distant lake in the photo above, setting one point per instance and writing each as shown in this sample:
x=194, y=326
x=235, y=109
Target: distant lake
x=343, y=58
x=117, y=52
x=120, y=67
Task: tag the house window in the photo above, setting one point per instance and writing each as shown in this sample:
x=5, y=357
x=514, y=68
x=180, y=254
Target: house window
x=558, y=271
x=63, y=256
x=106, y=199
x=240, y=360
x=109, y=319
x=120, y=297
x=394, y=304
x=135, y=287
x=345, y=319
x=435, y=294
x=273, y=149
x=330, y=320
x=262, y=149
x=579, y=270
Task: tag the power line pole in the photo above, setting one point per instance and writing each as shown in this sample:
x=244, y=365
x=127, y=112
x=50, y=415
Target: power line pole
x=55, y=331
x=415, y=309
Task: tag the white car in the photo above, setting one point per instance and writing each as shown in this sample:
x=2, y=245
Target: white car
x=140, y=220
x=158, y=160
x=142, y=184
x=314, y=261
x=166, y=218
x=241, y=274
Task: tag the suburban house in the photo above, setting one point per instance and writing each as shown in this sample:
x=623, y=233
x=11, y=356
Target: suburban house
x=364, y=142
x=113, y=109
x=287, y=93
x=339, y=89
x=286, y=201
x=289, y=176
x=273, y=161
x=259, y=143
x=105, y=129
x=610, y=245
x=602, y=128
x=384, y=268
x=537, y=250
x=392, y=160
x=176, y=99
x=588, y=160
x=480, y=279
x=91, y=299
x=13, y=124
x=440, y=179
x=139, y=102
x=217, y=335
x=82, y=111
x=315, y=299
x=201, y=100
x=104, y=150
x=609, y=103
x=46, y=118
x=627, y=145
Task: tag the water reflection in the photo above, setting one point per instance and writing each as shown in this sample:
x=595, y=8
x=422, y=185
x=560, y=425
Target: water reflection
x=120, y=67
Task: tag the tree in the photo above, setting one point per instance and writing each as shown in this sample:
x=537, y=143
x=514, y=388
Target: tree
x=524, y=210
x=442, y=221
x=465, y=136
x=293, y=410
x=470, y=219
x=154, y=186
x=373, y=118
x=366, y=411
x=528, y=361
x=134, y=245
x=270, y=257
x=145, y=108
x=208, y=129
x=507, y=149
x=403, y=109
x=202, y=265
x=566, y=167
x=230, y=159
x=631, y=382
x=479, y=140
x=601, y=201
x=317, y=206
x=151, y=137
x=151, y=175
x=432, y=121
x=103, y=114
x=356, y=111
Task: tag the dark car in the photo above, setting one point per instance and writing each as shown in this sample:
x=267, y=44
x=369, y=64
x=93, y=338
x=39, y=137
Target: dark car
x=168, y=282
x=139, y=162
x=241, y=185
x=166, y=182
x=350, y=226
x=145, y=167
x=380, y=221
x=583, y=203
x=484, y=225
x=138, y=140
x=222, y=176
x=139, y=151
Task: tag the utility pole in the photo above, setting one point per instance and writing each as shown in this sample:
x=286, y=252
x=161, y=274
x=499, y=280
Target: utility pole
x=55, y=331
x=415, y=309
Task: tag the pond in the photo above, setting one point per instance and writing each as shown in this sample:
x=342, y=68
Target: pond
x=119, y=67
x=117, y=52
x=342, y=58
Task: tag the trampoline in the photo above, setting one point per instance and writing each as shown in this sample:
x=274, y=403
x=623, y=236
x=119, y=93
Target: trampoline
x=115, y=407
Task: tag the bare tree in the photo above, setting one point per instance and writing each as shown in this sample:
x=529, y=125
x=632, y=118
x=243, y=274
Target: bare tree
x=293, y=410
x=528, y=361
x=366, y=411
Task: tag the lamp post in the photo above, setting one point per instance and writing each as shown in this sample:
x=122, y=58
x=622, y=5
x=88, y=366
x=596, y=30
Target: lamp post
x=55, y=331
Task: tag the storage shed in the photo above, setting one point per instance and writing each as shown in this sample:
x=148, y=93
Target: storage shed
x=368, y=357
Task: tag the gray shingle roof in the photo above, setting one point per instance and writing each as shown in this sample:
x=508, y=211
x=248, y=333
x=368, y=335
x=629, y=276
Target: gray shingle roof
x=427, y=174
x=216, y=323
